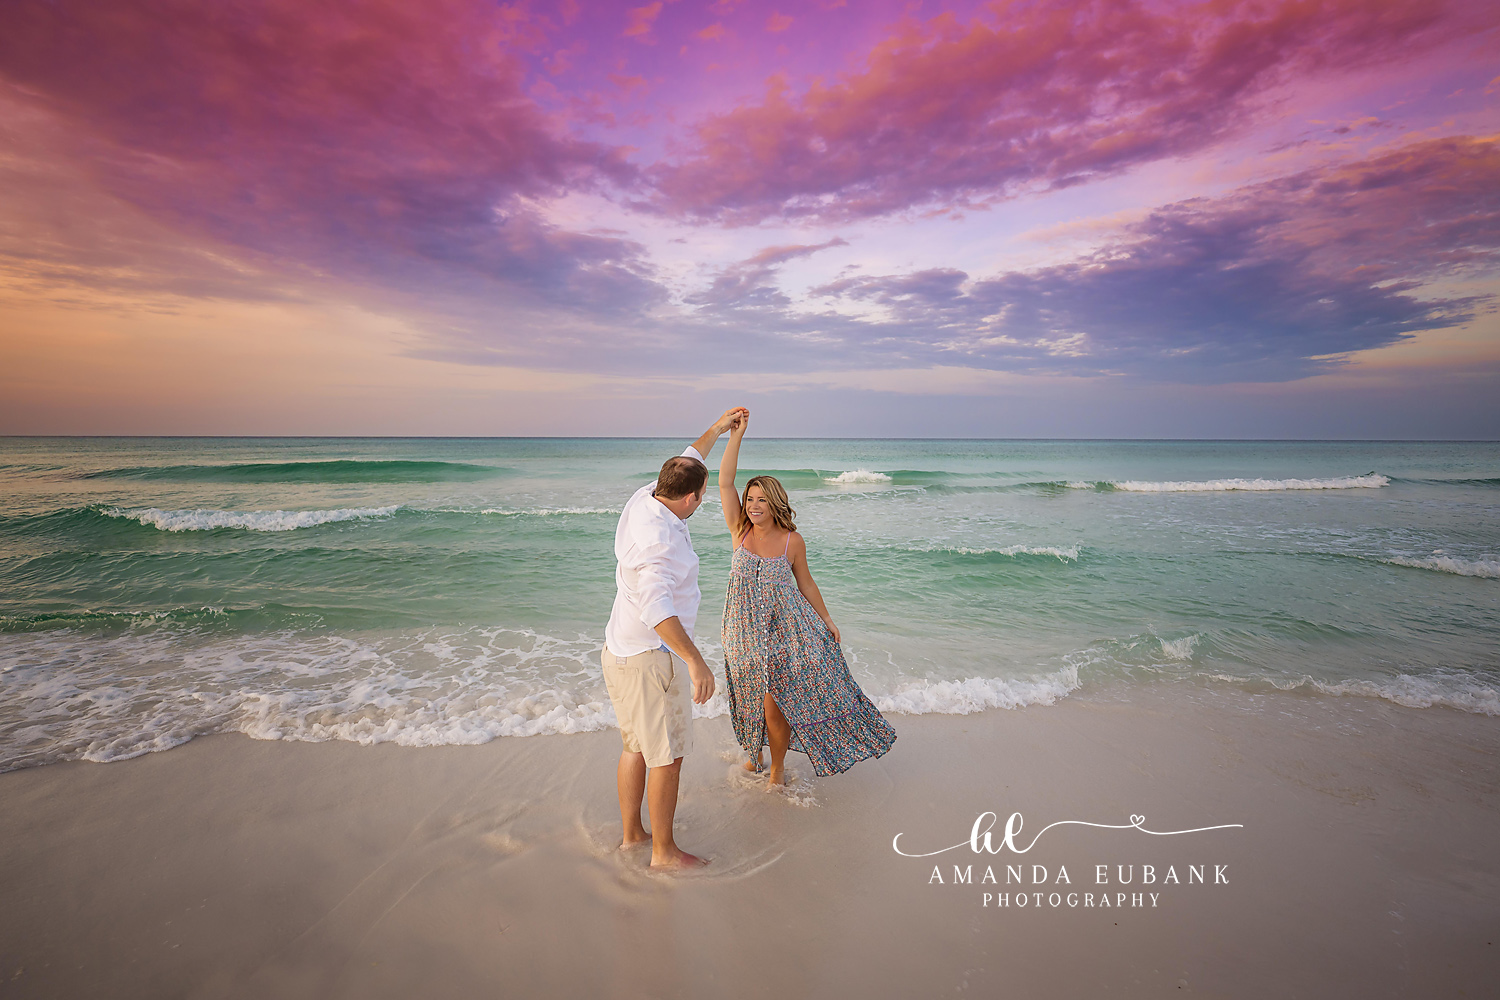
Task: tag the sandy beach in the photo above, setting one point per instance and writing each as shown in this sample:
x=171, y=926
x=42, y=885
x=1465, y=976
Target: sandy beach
x=234, y=867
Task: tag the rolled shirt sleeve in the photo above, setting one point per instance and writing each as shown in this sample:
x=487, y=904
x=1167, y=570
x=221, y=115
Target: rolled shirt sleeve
x=653, y=584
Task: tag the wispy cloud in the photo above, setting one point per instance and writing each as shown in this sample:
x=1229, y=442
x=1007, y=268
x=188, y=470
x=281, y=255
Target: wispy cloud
x=750, y=284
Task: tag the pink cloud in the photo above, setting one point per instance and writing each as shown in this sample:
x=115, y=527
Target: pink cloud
x=360, y=138
x=629, y=84
x=563, y=59
x=367, y=89
x=778, y=22
x=640, y=19
x=948, y=112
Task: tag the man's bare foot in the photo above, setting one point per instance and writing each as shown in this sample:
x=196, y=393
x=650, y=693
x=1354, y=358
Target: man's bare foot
x=753, y=764
x=678, y=860
x=776, y=775
x=634, y=841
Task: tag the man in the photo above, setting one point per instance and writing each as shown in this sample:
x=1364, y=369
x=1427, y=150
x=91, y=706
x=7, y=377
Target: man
x=649, y=642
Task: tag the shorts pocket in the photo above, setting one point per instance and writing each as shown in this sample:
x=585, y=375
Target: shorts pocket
x=662, y=669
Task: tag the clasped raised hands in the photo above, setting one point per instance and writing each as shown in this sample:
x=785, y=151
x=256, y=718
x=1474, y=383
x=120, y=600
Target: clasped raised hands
x=735, y=420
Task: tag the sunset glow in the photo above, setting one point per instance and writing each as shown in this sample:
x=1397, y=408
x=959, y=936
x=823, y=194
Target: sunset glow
x=1267, y=218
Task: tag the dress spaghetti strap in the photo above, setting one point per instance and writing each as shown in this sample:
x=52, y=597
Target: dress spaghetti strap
x=787, y=546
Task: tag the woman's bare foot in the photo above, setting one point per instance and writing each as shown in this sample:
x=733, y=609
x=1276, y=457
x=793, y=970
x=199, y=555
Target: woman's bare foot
x=630, y=842
x=776, y=775
x=753, y=764
x=678, y=860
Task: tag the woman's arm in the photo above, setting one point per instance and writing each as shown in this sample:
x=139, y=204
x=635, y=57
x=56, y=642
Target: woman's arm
x=796, y=554
x=729, y=497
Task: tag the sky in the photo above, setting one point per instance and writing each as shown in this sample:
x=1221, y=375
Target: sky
x=1267, y=219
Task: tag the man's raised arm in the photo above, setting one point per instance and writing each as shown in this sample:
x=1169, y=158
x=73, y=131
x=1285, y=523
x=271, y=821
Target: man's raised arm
x=705, y=443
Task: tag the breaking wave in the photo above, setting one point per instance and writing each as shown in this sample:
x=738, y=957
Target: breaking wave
x=1063, y=553
x=1369, y=481
x=1446, y=689
x=545, y=511
x=858, y=477
x=1488, y=569
x=975, y=694
x=339, y=471
x=249, y=520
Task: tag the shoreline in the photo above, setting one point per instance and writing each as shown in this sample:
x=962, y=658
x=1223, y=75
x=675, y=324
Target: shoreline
x=954, y=699
x=230, y=866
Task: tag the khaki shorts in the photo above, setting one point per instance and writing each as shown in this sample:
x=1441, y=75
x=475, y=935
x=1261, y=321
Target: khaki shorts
x=653, y=699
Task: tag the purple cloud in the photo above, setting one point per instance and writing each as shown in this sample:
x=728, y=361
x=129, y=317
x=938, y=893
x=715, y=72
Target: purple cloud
x=1275, y=281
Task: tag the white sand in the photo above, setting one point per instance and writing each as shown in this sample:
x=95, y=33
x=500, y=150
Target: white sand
x=1366, y=866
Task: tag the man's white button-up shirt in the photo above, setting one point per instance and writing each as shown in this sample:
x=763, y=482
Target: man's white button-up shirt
x=656, y=574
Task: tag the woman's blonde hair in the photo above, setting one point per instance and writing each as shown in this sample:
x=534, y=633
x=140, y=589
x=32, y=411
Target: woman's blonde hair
x=781, y=507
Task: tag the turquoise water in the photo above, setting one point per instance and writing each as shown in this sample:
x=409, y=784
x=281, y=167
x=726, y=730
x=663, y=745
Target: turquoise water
x=453, y=591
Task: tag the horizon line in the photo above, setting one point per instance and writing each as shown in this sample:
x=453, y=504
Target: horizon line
x=673, y=437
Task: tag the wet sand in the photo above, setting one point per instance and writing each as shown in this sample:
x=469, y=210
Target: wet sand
x=1365, y=866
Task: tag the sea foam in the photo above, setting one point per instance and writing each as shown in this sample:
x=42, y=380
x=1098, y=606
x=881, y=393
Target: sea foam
x=1446, y=690
x=79, y=696
x=1488, y=569
x=1063, y=553
x=249, y=520
x=1371, y=481
x=546, y=511
x=975, y=694
x=858, y=477
x=105, y=698
x=1179, y=649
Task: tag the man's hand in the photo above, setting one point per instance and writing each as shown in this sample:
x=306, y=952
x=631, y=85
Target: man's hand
x=740, y=424
x=703, y=681
x=732, y=416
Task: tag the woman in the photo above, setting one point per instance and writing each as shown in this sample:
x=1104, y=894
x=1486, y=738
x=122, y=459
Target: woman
x=789, y=686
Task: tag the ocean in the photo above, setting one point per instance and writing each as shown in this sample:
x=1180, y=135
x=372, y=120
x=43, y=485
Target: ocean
x=454, y=591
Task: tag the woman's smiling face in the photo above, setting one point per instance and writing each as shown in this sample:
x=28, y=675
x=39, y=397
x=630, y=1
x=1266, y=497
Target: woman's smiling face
x=757, y=508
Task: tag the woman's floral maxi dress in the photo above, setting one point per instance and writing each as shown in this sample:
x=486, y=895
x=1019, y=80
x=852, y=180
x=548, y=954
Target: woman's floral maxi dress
x=774, y=639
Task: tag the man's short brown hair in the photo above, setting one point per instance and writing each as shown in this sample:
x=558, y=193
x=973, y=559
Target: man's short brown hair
x=679, y=477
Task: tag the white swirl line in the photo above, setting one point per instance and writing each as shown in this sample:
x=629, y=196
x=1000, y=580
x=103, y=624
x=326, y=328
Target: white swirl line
x=980, y=840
